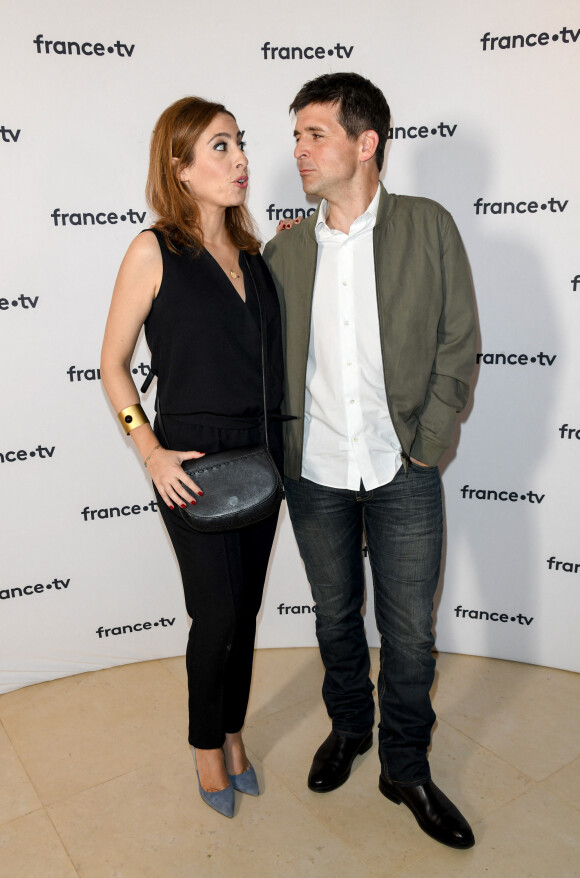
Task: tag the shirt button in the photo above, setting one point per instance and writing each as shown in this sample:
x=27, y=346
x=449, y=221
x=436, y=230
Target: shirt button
x=345, y=283
x=347, y=322
x=352, y=402
x=355, y=439
x=349, y=363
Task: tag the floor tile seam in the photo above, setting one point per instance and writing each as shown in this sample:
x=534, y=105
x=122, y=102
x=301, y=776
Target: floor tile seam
x=303, y=806
x=560, y=795
x=355, y=852
x=22, y=764
x=415, y=863
x=95, y=786
x=10, y=820
x=62, y=842
x=562, y=767
x=492, y=810
x=370, y=870
x=493, y=753
x=512, y=801
x=282, y=709
x=44, y=811
x=268, y=770
x=535, y=786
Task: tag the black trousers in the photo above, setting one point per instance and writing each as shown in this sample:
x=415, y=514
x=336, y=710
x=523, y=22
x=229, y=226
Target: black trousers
x=223, y=581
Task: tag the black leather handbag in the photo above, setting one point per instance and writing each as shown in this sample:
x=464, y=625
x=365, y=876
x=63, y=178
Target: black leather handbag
x=241, y=486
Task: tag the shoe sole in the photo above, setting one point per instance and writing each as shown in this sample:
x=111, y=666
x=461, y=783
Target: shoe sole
x=389, y=794
x=364, y=749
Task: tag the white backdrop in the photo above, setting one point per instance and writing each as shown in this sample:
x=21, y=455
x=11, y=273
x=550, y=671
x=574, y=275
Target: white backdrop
x=484, y=99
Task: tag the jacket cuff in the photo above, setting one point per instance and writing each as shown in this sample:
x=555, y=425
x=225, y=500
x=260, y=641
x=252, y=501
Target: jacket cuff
x=427, y=451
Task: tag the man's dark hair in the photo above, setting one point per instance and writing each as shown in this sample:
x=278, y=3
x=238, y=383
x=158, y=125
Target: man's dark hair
x=361, y=105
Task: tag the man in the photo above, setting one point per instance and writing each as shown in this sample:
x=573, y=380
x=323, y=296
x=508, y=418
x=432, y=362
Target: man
x=378, y=316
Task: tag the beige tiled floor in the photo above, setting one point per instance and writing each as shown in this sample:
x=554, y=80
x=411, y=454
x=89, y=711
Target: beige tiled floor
x=97, y=780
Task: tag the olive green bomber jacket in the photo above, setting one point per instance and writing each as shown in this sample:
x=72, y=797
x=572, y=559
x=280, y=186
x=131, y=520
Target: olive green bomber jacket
x=426, y=322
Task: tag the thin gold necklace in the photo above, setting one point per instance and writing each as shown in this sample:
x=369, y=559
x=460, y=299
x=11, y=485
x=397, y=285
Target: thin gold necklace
x=233, y=273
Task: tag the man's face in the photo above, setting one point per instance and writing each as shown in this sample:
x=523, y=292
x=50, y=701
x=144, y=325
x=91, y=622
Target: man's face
x=327, y=159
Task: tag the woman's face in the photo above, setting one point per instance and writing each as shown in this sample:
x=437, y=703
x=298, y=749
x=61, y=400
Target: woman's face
x=217, y=177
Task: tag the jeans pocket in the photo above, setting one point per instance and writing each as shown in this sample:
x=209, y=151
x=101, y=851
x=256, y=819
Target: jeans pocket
x=419, y=468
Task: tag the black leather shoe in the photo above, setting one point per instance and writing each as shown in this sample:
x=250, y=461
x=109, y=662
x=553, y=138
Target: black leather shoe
x=433, y=811
x=333, y=761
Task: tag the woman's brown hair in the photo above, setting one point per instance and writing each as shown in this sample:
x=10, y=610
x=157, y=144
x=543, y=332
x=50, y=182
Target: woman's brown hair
x=178, y=218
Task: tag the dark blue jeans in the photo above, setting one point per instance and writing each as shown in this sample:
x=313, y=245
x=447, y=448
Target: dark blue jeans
x=403, y=523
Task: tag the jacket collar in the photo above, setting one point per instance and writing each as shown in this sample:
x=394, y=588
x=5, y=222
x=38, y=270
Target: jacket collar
x=386, y=206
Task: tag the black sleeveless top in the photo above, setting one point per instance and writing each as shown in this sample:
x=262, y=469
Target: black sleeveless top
x=206, y=352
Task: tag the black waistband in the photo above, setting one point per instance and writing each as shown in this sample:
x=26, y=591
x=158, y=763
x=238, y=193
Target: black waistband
x=225, y=422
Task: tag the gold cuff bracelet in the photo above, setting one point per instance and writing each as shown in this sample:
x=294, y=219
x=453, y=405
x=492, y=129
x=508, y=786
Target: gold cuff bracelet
x=131, y=417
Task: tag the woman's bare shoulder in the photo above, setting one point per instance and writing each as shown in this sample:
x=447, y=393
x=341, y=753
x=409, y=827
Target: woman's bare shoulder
x=145, y=247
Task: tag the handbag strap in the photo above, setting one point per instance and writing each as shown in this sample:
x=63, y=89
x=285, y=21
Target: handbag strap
x=264, y=345
x=150, y=374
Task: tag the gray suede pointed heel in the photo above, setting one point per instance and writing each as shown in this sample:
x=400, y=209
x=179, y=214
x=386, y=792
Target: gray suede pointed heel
x=246, y=782
x=221, y=801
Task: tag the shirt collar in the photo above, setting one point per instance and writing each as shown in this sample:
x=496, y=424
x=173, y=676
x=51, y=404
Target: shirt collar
x=364, y=221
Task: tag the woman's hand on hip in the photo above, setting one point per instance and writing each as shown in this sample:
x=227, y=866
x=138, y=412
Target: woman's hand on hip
x=170, y=479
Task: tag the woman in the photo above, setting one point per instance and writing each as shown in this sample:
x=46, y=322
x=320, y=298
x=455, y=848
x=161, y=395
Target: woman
x=190, y=281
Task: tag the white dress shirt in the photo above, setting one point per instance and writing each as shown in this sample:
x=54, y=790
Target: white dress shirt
x=348, y=433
